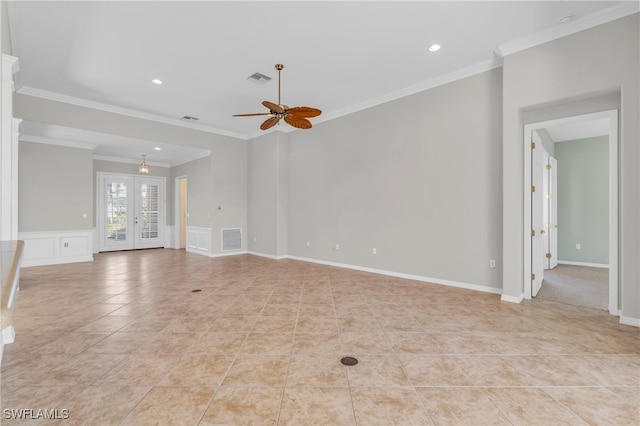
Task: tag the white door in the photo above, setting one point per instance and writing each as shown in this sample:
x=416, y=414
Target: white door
x=537, y=216
x=553, y=213
x=130, y=212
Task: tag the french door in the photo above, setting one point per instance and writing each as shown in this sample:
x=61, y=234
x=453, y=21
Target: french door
x=131, y=212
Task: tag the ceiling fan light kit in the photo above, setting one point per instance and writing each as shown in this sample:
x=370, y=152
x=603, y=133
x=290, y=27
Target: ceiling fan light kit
x=296, y=116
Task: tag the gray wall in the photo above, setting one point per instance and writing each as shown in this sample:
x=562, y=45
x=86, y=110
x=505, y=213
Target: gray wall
x=217, y=180
x=4, y=29
x=200, y=203
x=583, y=200
x=268, y=206
x=262, y=194
x=587, y=65
x=417, y=178
x=228, y=188
x=55, y=188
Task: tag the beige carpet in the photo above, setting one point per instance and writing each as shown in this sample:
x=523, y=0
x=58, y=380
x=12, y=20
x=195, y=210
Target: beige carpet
x=577, y=285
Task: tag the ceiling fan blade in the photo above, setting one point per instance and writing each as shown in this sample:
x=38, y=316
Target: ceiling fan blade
x=304, y=111
x=269, y=123
x=297, y=121
x=251, y=115
x=273, y=107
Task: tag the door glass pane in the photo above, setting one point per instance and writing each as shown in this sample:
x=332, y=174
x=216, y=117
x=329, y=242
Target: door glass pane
x=149, y=210
x=116, y=211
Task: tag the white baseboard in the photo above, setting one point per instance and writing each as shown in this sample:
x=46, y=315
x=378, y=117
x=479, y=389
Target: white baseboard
x=269, y=256
x=592, y=265
x=512, y=299
x=228, y=253
x=468, y=286
x=635, y=322
x=8, y=335
x=56, y=247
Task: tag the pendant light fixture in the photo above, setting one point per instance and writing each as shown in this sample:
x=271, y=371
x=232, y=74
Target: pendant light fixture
x=144, y=167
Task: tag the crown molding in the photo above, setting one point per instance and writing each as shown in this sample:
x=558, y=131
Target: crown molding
x=128, y=161
x=45, y=94
x=58, y=142
x=203, y=154
x=417, y=88
x=580, y=24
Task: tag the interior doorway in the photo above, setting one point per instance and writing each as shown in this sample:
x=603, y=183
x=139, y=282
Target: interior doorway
x=609, y=119
x=181, y=214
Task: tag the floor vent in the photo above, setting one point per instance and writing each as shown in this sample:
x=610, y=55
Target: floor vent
x=231, y=239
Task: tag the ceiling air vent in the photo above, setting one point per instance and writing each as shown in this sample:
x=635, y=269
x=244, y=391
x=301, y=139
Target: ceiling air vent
x=259, y=78
x=189, y=118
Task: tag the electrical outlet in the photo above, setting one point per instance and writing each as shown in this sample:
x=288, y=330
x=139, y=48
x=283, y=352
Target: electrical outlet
x=308, y=244
x=578, y=246
x=374, y=251
x=337, y=247
x=492, y=263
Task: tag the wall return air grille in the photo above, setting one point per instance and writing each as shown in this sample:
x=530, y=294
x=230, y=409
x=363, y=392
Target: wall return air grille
x=231, y=239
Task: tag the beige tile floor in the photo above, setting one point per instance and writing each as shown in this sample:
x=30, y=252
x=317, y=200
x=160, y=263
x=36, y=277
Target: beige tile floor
x=124, y=340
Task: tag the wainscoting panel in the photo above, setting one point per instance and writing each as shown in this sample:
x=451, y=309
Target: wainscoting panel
x=199, y=240
x=55, y=247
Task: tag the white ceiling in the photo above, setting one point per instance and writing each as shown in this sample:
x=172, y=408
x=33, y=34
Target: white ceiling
x=578, y=130
x=339, y=57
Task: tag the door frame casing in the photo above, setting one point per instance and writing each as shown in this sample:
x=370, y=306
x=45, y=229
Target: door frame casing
x=176, y=207
x=612, y=116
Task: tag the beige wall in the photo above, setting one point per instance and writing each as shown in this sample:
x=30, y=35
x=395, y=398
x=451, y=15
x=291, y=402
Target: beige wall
x=584, y=69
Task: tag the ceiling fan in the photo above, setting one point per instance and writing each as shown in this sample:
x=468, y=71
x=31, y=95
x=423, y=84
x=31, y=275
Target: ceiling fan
x=296, y=116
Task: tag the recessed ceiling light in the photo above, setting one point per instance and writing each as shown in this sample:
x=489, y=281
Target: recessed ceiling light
x=157, y=148
x=156, y=81
x=566, y=19
x=434, y=48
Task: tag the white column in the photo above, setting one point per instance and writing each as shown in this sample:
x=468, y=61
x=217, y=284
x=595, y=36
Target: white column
x=8, y=153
